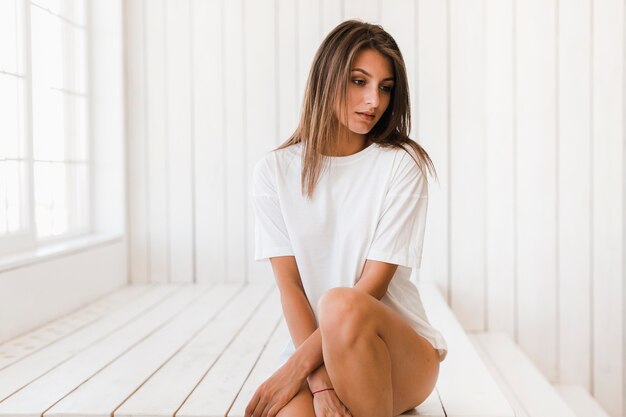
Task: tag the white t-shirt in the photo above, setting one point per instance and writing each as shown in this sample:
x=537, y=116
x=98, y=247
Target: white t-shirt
x=368, y=205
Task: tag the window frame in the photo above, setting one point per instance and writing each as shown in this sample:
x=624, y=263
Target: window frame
x=25, y=239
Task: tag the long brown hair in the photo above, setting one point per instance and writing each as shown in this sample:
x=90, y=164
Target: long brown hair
x=327, y=84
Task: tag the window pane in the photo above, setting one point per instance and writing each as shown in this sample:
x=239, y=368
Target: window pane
x=80, y=148
x=11, y=120
x=49, y=125
x=80, y=12
x=61, y=198
x=80, y=61
x=60, y=111
x=53, y=5
x=14, y=171
x=8, y=35
x=3, y=198
x=70, y=10
x=47, y=50
x=12, y=197
x=45, y=182
x=77, y=175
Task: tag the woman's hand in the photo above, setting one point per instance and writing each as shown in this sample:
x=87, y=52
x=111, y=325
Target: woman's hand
x=275, y=392
x=327, y=404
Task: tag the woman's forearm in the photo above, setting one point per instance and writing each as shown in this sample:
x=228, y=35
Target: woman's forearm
x=298, y=314
x=302, y=324
x=308, y=359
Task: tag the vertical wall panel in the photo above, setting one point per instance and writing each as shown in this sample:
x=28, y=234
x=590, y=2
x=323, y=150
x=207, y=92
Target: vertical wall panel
x=536, y=182
x=607, y=185
x=136, y=144
x=180, y=169
x=309, y=39
x=574, y=176
x=365, y=10
x=432, y=130
x=260, y=104
x=236, y=170
x=467, y=162
x=500, y=261
x=209, y=139
x=331, y=15
x=156, y=149
x=287, y=69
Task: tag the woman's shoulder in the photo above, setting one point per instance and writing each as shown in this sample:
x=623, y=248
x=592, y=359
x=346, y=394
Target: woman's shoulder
x=276, y=158
x=399, y=155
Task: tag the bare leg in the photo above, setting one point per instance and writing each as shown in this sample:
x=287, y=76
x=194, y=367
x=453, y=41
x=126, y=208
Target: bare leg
x=300, y=406
x=360, y=370
x=378, y=365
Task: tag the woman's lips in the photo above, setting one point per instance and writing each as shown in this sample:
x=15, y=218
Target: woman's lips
x=366, y=116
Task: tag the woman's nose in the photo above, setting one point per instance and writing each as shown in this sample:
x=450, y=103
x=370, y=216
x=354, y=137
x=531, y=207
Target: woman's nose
x=372, y=98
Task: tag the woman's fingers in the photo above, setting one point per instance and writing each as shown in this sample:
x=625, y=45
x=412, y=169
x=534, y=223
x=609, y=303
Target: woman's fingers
x=256, y=405
x=251, y=405
x=273, y=394
x=260, y=404
x=260, y=409
x=275, y=407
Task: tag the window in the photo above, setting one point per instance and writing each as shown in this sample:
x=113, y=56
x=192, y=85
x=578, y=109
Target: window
x=44, y=102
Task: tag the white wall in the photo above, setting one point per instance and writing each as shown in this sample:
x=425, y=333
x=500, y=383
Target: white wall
x=519, y=103
x=34, y=294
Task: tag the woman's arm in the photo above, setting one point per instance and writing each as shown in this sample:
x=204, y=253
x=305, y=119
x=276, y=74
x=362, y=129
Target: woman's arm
x=300, y=320
x=308, y=357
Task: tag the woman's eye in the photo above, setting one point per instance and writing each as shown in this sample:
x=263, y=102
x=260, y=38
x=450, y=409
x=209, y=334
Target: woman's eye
x=358, y=81
x=387, y=88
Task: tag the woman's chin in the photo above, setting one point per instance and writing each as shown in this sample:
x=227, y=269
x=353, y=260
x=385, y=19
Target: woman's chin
x=360, y=130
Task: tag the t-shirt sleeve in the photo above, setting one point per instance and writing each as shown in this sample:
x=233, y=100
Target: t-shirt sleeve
x=270, y=233
x=399, y=234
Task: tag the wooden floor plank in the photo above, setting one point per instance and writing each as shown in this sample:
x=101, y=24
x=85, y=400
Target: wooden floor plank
x=23, y=346
x=41, y=394
x=465, y=385
x=104, y=392
x=194, y=351
x=158, y=396
x=263, y=369
x=215, y=394
x=20, y=374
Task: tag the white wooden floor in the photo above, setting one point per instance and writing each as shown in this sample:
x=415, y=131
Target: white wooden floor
x=153, y=351
x=193, y=350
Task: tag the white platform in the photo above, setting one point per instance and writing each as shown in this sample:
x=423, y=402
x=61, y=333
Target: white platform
x=526, y=388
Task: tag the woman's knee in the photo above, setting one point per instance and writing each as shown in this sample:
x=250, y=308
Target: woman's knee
x=341, y=311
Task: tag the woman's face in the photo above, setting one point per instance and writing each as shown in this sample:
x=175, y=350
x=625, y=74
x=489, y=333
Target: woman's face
x=369, y=91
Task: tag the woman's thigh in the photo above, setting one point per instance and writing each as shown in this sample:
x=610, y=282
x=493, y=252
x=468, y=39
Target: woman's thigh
x=300, y=406
x=414, y=361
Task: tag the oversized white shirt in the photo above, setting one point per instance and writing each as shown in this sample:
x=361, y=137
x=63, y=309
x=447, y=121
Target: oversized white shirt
x=368, y=205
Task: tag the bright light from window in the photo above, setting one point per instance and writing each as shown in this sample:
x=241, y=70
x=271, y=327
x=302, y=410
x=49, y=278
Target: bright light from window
x=53, y=151
x=58, y=38
x=12, y=139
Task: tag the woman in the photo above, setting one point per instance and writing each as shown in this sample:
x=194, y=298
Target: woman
x=342, y=242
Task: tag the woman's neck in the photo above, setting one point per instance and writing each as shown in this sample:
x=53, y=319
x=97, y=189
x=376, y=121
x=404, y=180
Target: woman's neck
x=353, y=145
